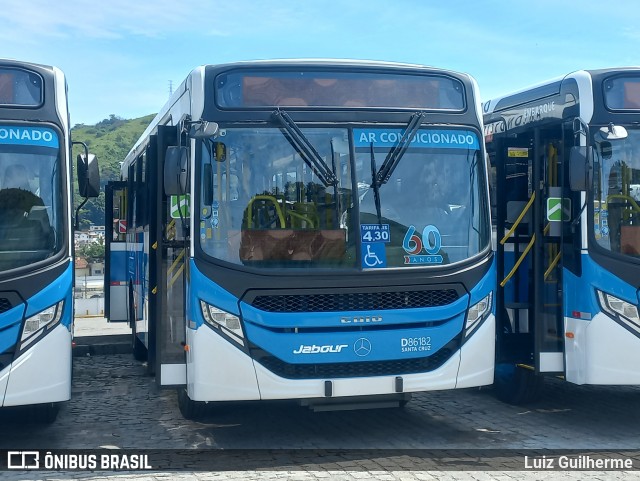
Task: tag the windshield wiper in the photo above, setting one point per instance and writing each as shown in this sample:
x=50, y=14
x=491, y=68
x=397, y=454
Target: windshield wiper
x=396, y=153
x=306, y=150
x=375, y=186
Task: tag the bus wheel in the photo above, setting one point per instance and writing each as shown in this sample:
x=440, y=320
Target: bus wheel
x=189, y=408
x=516, y=385
x=44, y=413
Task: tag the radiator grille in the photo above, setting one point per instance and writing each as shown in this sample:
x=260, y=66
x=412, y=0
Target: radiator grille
x=355, y=301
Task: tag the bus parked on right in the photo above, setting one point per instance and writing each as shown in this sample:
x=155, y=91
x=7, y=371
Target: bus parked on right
x=565, y=162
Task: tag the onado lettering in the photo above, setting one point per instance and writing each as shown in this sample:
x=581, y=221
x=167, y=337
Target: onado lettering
x=28, y=136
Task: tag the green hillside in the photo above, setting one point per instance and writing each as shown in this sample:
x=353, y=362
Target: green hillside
x=110, y=140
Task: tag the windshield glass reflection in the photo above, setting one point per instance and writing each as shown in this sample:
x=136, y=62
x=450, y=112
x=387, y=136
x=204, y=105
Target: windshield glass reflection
x=617, y=194
x=30, y=200
x=265, y=204
x=433, y=204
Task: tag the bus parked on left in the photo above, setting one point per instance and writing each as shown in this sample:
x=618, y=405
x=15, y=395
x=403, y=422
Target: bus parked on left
x=36, y=241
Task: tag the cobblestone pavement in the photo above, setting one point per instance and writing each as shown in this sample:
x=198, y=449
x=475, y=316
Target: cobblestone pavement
x=114, y=405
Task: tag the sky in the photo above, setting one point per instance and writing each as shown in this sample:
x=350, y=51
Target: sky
x=121, y=56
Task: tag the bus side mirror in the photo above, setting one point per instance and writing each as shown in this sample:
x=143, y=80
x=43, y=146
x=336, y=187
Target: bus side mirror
x=203, y=129
x=88, y=175
x=175, y=170
x=578, y=168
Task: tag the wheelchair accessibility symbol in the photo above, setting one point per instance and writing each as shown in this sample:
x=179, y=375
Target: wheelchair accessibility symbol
x=374, y=255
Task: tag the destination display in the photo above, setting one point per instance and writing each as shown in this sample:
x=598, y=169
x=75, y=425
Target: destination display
x=20, y=88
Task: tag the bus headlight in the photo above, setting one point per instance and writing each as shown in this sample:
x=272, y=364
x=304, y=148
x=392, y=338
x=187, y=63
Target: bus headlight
x=622, y=311
x=38, y=322
x=477, y=313
x=224, y=321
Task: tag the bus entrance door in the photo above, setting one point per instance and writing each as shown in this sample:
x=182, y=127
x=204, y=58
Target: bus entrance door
x=115, y=273
x=549, y=214
x=513, y=207
x=173, y=249
x=528, y=304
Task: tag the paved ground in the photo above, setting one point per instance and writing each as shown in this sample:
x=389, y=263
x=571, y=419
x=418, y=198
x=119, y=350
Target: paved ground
x=98, y=326
x=115, y=405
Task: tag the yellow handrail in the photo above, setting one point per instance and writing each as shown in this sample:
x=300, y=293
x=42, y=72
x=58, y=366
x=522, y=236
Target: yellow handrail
x=517, y=222
x=276, y=205
x=552, y=265
x=626, y=198
x=523, y=255
x=174, y=278
x=517, y=264
x=178, y=259
x=302, y=217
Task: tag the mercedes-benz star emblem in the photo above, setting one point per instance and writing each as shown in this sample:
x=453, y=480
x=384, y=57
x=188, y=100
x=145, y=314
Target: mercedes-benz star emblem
x=362, y=347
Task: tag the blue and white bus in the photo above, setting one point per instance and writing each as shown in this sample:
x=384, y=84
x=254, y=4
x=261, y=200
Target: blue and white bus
x=312, y=230
x=36, y=242
x=566, y=159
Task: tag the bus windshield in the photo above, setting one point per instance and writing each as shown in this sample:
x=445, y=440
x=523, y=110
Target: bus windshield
x=264, y=203
x=617, y=194
x=30, y=196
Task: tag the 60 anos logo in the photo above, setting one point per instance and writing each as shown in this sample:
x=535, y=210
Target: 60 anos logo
x=430, y=241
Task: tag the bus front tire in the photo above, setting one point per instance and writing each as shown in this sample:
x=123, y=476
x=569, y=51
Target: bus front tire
x=45, y=413
x=516, y=385
x=189, y=408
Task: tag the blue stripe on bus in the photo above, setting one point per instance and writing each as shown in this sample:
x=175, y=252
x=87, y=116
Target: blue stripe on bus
x=593, y=277
x=351, y=346
x=201, y=287
x=59, y=289
x=10, y=324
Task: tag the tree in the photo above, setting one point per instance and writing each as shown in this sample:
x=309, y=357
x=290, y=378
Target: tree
x=93, y=252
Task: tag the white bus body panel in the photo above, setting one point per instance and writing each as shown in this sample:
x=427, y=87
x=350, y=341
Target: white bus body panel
x=601, y=352
x=219, y=371
x=4, y=379
x=478, y=354
x=43, y=373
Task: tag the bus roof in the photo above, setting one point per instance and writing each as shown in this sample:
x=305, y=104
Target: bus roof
x=545, y=89
x=52, y=105
x=198, y=73
x=10, y=62
x=328, y=62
